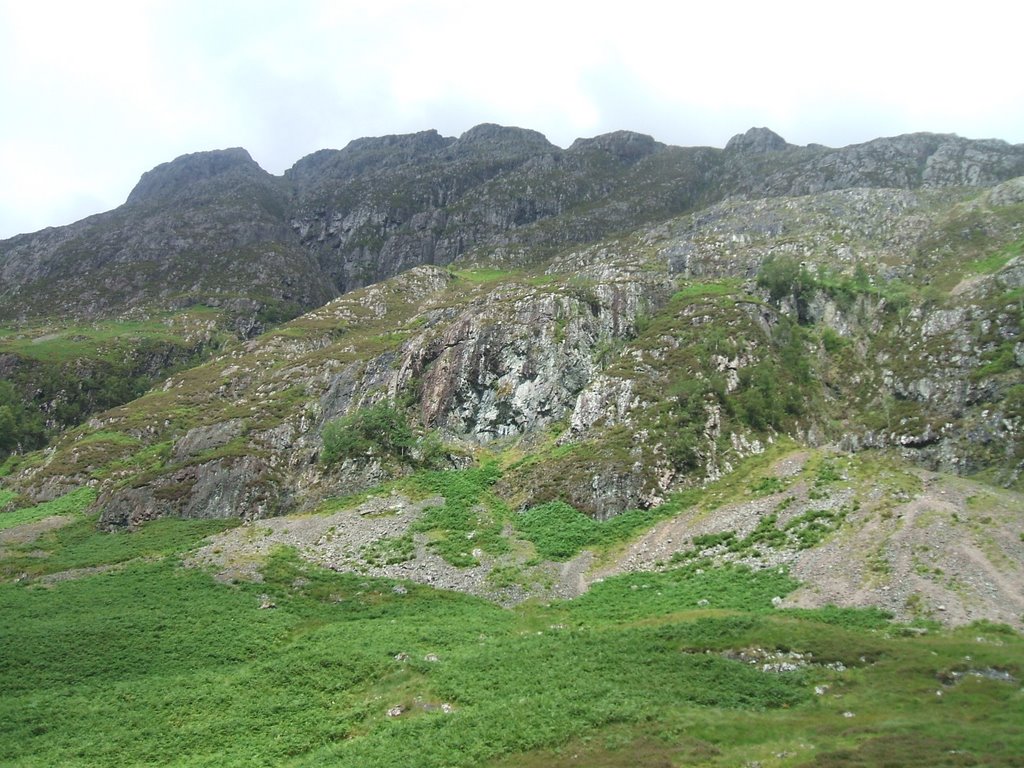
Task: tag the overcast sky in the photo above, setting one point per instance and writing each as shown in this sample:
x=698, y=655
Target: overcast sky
x=92, y=94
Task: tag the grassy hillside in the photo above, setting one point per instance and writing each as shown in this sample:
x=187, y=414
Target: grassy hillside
x=116, y=653
x=58, y=373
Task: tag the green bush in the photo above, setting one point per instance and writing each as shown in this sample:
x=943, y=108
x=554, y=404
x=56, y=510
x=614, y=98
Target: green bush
x=560, y=531
x=471, y=516
x=759, y=403
x=21, y=426
x=785, y=276
x=432, y=451
x=710, y=540
x=1013, y=402
x=557, y=530
x=832, y=341
x=684, y=438
x=768, y=485
x=999, y=360
x=380, y=430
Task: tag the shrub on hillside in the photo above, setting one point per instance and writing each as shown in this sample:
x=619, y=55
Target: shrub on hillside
x=379, y=430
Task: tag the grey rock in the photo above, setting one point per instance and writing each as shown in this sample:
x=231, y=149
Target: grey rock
x=1011, y=276
x=201, y=439
x=626, y=146
x=225, y=488
x=756, y=141
x=189, y=172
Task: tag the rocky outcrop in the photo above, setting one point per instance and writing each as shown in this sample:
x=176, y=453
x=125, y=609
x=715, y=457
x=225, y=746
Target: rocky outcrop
x=495, y=374
x=626, y=146
x=756, y=141
x=204, y=229
x=230, y=487
x=202, y=174
x=902, y=162
x=201, y=439
x=605, y=399
x=311, y=175
x=516, y=362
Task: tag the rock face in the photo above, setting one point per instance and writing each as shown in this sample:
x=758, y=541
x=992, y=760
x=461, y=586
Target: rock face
x=213, y=228
x=902, y=162
x=205, y=229
x=626, y=146
x=216, y=489
x=516, y=364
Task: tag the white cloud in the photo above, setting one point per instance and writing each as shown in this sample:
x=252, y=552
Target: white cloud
x=94, y=94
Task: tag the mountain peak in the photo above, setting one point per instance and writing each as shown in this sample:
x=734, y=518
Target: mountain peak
x=405, y=144
x=628, y=146
x=361, y=155
x=169, y=179
x=494, y=135
x=756, y=141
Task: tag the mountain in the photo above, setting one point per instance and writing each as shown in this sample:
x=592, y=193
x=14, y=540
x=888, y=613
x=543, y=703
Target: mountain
x=210, y=246
x=214, y=229
x=722, y=440
x=638, y=318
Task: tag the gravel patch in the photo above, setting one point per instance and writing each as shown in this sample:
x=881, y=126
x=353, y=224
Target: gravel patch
x=953, y=553
x=345, y=541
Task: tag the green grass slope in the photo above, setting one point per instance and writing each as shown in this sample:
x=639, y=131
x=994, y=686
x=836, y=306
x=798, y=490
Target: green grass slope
x=112, y=653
